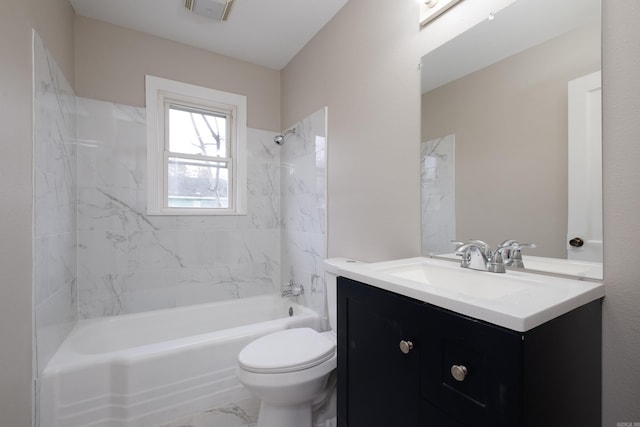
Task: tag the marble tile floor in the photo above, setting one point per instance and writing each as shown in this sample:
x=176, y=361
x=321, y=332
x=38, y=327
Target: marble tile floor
x=237, y=414
x=244, y=414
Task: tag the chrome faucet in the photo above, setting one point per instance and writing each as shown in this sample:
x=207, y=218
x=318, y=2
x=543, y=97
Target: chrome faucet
x=512, y=252
x=477, y=255
x=291, y=289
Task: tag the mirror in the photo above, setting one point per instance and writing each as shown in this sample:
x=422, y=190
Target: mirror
x=498, y=127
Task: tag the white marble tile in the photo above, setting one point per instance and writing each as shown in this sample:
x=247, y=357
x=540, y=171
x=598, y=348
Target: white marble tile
x=437, y=173
x=203, y=224
x=121, y=249
x=156, y=298
x=55, y=218
x=208, y=258
x=303, y=205
x=55, y=264
x=54, y=147
x=238, y=414
x=154, y=250
x=55, y=317
x=192, y=291
x=105, y=299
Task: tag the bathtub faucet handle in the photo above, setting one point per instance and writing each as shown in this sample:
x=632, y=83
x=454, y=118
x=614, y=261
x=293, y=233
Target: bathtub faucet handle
x=291, y=289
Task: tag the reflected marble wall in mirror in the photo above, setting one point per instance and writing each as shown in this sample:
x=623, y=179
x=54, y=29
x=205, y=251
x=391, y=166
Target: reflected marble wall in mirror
x=495, y=131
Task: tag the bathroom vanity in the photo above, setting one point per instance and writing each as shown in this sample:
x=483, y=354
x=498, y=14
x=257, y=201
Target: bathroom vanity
x=415, y=353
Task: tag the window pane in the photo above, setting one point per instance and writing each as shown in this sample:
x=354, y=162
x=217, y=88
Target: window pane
x=193, y=131
x=198, y=184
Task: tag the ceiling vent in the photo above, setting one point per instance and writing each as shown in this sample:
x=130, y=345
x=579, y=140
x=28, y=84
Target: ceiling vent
x=217, y=10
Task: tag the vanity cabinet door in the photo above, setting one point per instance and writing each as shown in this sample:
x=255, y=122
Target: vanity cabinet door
x=471, y=370
x=406, y=363
x=378, y=357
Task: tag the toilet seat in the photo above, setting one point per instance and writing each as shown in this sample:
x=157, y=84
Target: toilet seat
x=286, y=351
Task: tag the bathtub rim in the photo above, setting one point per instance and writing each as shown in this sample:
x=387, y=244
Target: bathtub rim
x=67, y=358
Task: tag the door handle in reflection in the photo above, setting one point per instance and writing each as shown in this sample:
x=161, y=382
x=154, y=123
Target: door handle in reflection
x=576, y=242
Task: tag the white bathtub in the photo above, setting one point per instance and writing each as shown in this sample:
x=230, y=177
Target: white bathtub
x=150, y=368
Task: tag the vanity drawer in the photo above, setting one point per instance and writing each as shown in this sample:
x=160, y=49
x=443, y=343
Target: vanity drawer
x=430, y=416
x=469, y=369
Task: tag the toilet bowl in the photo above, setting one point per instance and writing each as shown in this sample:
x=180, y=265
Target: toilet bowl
x=289, y=370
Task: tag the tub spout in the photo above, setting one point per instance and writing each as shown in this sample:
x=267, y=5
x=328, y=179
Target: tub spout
x=291, y=289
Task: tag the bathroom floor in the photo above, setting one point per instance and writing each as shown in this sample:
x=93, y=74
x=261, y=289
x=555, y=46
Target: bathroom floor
x=237, y=414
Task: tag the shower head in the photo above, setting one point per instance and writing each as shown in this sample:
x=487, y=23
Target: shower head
x=279, y=139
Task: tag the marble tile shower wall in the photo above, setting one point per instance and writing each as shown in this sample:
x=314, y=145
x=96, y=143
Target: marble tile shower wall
x=437, y=182
x=130, y=262
x=55, y=220
x=303, y=202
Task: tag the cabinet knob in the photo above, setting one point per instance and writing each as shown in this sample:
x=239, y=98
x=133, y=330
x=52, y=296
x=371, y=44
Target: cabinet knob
x=459, y=372
x=406, y=346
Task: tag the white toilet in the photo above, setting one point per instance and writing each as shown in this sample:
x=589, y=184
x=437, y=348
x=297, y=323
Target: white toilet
x=288, y=370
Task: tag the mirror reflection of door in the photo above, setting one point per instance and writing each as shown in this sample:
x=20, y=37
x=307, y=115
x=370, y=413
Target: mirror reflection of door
x=584, y=227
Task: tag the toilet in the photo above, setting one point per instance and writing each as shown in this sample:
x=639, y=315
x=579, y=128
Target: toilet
x=289, y=370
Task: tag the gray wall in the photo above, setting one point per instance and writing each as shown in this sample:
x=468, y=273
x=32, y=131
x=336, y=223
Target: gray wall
x=111, y=63
x=621, y=155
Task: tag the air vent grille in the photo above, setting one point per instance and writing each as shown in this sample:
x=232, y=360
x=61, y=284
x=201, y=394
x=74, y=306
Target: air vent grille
x=217, y=10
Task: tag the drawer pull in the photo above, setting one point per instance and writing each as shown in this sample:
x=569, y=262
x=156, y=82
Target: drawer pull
x=459, y=372
x=406, y=346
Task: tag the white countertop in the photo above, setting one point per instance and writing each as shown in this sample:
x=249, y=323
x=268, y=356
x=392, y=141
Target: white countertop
x=516, y=300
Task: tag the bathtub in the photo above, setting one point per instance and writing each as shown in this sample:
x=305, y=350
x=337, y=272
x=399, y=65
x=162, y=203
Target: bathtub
x=150, y=368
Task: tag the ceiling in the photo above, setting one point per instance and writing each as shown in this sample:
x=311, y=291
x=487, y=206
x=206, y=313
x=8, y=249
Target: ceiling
x=519, y=26
x=268, y=33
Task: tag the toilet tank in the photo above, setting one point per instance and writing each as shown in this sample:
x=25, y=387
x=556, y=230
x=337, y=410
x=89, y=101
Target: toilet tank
x=331, y=266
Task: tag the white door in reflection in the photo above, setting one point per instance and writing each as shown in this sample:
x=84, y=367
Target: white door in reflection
x=584, y=238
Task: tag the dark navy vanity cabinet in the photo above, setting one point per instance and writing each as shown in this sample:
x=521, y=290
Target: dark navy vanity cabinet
x=404, y=362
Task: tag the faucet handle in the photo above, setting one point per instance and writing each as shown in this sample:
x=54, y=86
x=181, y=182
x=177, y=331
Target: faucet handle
x=508, y=243
x=463, y=248
x=291, y=288
x=515, y=245
x=512, y=252
x=482, y=245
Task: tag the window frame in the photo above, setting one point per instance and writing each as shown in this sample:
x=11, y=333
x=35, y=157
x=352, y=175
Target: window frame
x=160, y=95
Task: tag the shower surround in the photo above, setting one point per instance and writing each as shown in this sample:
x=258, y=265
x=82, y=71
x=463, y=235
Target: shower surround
x=438, y=195
x=55, y=282
x=303, y=202
x=130, y=262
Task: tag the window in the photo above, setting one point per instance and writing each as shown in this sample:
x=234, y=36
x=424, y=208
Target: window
x=196, y=150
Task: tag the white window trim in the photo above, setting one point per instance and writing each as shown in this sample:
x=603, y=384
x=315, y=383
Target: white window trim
x=159, y=91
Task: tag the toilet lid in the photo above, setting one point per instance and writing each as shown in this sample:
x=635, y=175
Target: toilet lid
x=286, y=351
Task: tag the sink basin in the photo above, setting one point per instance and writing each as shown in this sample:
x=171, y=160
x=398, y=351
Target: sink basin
x=455, y=279
x=517, y=300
